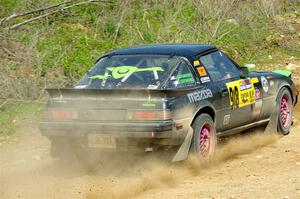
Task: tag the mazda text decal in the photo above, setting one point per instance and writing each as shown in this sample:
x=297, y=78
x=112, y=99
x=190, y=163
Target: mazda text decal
x=200, y=95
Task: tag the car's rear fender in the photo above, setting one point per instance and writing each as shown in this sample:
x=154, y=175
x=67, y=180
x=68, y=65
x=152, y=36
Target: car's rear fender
x=277, y=82
x=204, y=107
x=292, y=89
x=284, y=80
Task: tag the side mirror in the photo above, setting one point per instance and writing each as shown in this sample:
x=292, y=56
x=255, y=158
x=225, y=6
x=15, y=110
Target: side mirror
x=244, y=71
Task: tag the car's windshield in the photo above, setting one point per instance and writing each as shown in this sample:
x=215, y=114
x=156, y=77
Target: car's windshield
x=130, y=71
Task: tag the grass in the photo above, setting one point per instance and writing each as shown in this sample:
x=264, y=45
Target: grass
x=14, y=113
x=74, y=39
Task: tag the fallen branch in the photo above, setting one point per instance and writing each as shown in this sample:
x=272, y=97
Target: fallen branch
x=140, y=34
x=21, y=100
x=8, y=52
x=33, y=11
x=8, y=18
x=3, y=103
x=12, y=55
x=53, y=12
x=118, y=27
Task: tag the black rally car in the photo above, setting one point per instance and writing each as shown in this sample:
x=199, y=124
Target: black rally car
x=152, y=96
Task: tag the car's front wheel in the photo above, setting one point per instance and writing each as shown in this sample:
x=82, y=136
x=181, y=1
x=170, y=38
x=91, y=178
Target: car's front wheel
x=205, y=138
x=285, y=108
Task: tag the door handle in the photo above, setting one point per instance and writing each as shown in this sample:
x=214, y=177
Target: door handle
x=224, y=92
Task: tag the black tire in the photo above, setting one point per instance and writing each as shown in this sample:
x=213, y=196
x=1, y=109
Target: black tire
x=203, y=152
x=90, y=161
x=284, y=105
x=60, y=148
x=55, y=149
x=70, y=152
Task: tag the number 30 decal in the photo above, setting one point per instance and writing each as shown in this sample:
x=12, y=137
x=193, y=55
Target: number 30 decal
x=234, y=97
x=241, y=92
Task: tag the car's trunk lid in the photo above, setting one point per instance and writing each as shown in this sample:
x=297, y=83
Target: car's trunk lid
x=106, y=105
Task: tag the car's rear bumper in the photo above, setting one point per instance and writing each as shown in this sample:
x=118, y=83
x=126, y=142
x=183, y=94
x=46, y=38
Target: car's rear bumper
x=162, y=129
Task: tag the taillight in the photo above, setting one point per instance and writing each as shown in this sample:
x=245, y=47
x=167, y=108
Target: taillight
x=63, y=115
x=144, y=115
x=151, y=115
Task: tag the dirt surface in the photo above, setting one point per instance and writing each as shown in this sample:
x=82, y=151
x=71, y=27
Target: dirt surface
x=255, y=165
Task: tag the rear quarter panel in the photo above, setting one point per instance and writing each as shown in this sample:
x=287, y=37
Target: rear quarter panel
x=186, y=105
x=275, y=83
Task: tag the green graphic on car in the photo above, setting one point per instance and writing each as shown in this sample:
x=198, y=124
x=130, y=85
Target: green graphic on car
x=123, y=71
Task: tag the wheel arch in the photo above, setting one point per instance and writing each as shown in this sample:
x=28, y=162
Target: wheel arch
x=204, y=109
x=286, y=85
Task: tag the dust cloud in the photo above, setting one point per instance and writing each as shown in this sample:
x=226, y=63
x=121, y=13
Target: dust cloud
x=28, y=170
x=31, y=172
x=157, y=173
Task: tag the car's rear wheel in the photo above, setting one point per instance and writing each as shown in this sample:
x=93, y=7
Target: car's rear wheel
x=61, y=148
x=89, y=160
x=205, y=138
x=285, y=108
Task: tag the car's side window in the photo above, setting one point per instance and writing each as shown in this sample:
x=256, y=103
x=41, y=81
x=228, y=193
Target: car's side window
x=181, y=77
x=219, y=66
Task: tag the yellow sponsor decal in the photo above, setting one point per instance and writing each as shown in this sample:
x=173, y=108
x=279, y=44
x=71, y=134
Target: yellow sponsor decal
x=254, y=80
x=241, y=93
x=201, y=70
x=196, y=63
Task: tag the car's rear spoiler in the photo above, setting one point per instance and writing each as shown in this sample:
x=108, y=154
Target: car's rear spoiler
x=71, y=92
x=286, y=73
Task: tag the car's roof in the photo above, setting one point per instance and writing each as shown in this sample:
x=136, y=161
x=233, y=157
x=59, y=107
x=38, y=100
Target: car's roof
x=164, y=49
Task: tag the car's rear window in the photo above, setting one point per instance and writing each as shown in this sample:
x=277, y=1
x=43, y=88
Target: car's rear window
x=130, y=71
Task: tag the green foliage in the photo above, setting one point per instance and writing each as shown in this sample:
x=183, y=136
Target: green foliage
x=68, y=47
x=72, y=40
x=15, y=111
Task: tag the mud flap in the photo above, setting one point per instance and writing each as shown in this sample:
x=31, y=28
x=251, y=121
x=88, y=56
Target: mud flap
x=184, y=149
x=273, y=123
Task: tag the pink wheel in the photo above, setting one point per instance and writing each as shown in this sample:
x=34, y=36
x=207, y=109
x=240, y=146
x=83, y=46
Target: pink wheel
x=285, y=108
x=204, y=142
